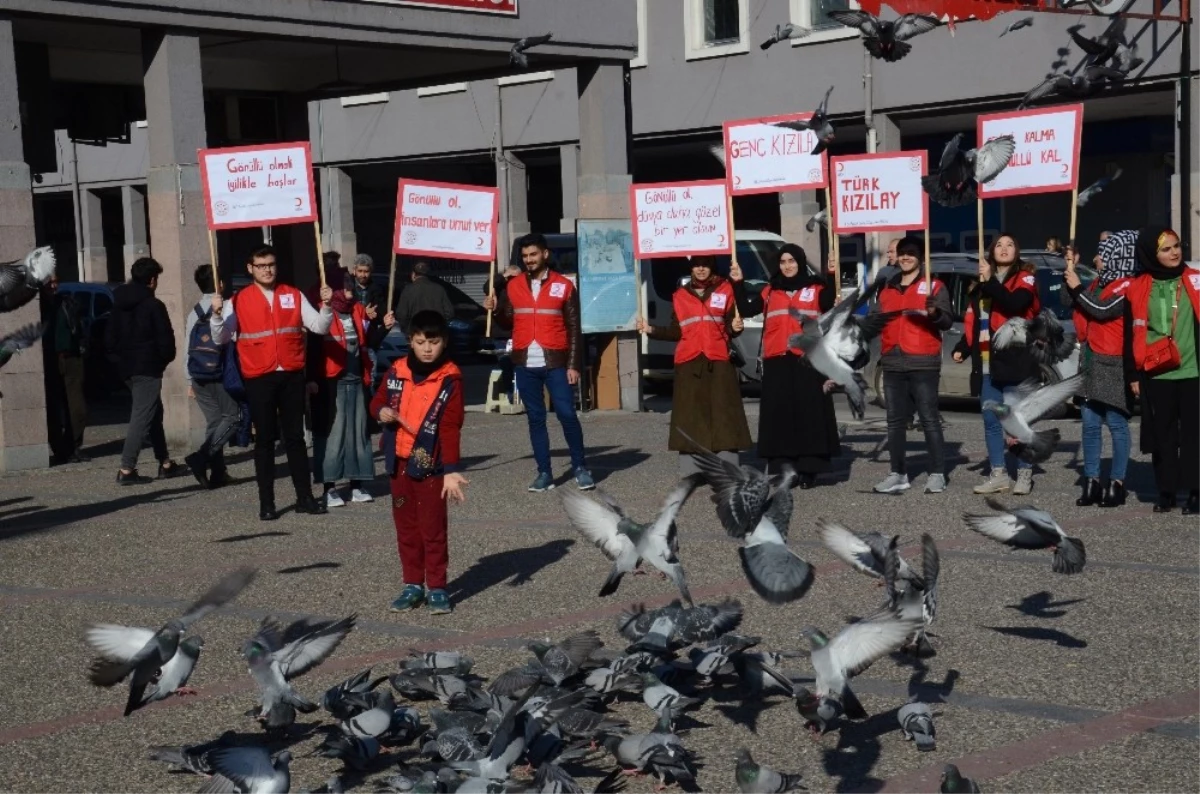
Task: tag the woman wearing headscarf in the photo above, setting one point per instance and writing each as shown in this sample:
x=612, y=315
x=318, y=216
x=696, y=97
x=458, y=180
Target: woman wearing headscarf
x=339, y=377
x=707, y=402
x=1165, y=304
x=1006, y=288
x=1103, y=327
x=797, y=428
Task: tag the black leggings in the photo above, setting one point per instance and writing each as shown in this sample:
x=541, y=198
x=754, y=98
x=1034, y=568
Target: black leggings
x=1175, y=420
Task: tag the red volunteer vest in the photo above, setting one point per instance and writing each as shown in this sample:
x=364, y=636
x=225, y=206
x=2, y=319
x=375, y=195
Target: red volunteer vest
x=778, y=323
x=702, y=324
x=1103, y=337
x=416, y=400
x=335, y=345
x=914, y=335
x=540, y=320
x=270, y=336
x=1015, y=281
x=1139, y=302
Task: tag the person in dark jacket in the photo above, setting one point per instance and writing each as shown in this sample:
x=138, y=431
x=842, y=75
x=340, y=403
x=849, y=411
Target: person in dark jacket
x=367, y=293
x=140, y=337
x=422, y=294
x=911, y=361
x=1006, y=288
x=63, y=350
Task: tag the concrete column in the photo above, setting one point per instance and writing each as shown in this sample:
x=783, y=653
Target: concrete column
x=94, y=256
x=22, y=412
x=133, y=215
x=569, y=161
x=337, y=214
x=795, y=209
x=175, y=121
x=1191, y=216
x=604, y=179
x=888, y=139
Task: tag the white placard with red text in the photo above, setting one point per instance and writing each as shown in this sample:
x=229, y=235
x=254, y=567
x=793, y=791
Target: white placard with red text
x=257, y=185
x=878, y=192
x=763, y=158
x=680, y=218
x=446, y=220
x=1046, y=159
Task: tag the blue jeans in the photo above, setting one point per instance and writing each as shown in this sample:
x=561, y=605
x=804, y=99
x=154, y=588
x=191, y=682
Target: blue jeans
x=1096, y=414
x=993, y=433
x=530, y=384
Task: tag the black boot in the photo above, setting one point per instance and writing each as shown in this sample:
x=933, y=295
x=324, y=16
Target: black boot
x=1114, y=495
x=1193, y=504
x=1166, y=502
x=1092, y=493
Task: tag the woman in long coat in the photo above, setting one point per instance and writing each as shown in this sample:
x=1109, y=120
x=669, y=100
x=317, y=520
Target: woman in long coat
x=797, y=427
x=707, y=400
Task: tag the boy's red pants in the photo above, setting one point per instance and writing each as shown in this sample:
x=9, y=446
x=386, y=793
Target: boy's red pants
x=422, y=524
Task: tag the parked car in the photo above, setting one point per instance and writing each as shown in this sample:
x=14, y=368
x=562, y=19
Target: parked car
x=95, y=303
x=958, y=272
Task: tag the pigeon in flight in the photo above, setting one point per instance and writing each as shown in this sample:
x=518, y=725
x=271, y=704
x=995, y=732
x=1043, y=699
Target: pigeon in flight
x=886, y=39
x=1027, y=404
x=784, y=33
x=21, y=339
x=20, y=281
x=916, y=723
x=754, y=778
x=821, y=218
x=147, y=654
x=626, y=542
x=1092, y=81
x=1108, y=48
x=554, y=663
x=276, y=656
x=836, y=344
x=959, y=172
x=954, y=783
x=717, y=150
x=1042, y=337
x=743, y=494
x=818, y=123
x=697, y=624
x=516, y=55
x=919, y=598
x=248, y=769
x=1023, y=22
x=1094, y=189
x=1027, y=527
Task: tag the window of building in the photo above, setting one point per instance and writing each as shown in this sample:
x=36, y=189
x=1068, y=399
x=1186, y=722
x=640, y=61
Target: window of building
x=643, y=39
x=439, y=90
x=716, y=28
x=814, y=15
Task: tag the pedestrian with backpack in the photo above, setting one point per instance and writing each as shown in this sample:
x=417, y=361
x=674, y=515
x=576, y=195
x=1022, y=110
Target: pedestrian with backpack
x=207, y=362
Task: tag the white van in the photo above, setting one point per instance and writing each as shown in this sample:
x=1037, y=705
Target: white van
x=756, y=254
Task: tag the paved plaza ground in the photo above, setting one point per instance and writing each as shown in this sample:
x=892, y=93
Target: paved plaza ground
x=1041, y=682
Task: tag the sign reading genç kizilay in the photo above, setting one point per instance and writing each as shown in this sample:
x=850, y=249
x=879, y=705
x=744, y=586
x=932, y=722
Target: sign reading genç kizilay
x=446, y=220
x=763, y=158
x=1046, y=158
x=257, y=185
x=878, y=192
x=680, y=218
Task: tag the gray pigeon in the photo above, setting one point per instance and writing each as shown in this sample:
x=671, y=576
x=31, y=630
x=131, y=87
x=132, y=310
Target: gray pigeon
x=784, y=33
x=886, y=39
x=1027, y=527
x=192, y=758
x=821, y=218
x=778, y=574
x=626, y=542
x=1042, y=337
x=954, y=783
x=23, y=338
x=338, y=700
x=1090, y=82
x=697, y=624
x=374, y=717
x=855, y=648
x=277, y=656
x=445, y=662
x=743, y=494
x=664, y=699
x=754, y=778
x=916, y=723
x=1024, y=406
x=960, y=171
x=553, y=665
x=919, y=598
x=126, y=650
x=248, y=770
x=355, y=752
x=759, y=673
x=453, y=744
x=1023, y=22
x=820, y=714
x=661, y=751
x=516, y=55
x=405, y=726
x=1094, y=189
x=818, y=123
x=22, y=280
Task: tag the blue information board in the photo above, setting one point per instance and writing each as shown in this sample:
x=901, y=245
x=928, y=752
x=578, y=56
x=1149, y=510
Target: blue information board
x=607, y=276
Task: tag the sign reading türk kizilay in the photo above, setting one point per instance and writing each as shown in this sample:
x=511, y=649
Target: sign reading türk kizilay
x=265, y=185
x=878, y=192
x=446, y=220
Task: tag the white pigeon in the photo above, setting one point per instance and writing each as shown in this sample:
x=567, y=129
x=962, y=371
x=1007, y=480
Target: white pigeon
x=1027, y=527
x=1027, y=404
x=21, y=281
x=626, y=542
x=248, y=770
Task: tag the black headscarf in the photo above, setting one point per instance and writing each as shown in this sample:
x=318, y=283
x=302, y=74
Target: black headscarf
x=1147, y=253
x=804, y=276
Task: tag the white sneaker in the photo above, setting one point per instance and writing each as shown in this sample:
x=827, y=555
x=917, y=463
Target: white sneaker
x=358, y=495
x=333, y=499
x=1024, y=482
x=935, y=483
x=998, y=482
x=894, y=483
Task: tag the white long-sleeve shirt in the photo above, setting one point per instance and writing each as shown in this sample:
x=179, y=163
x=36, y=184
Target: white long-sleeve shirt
x=225, y=326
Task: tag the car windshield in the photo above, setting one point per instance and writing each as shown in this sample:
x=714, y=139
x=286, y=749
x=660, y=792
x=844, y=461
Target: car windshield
x=1053, y=292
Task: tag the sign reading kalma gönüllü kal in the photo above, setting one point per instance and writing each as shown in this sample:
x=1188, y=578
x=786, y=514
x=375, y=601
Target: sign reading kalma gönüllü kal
x=1046, y=157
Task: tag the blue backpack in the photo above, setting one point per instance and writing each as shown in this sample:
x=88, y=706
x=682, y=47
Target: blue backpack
x=206, y=359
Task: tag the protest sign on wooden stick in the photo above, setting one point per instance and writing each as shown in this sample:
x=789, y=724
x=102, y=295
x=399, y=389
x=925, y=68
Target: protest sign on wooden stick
x=673, y=219
x=441, y=219
x=878, y=192
x=763, y=158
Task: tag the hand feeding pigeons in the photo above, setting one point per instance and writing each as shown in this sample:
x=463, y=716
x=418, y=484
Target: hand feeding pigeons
x=516, y=54
x=818, y=123
x=22, y=280
x=785, y=33
x=886, y=39
x=1027, y=527
x=1025, y=405
x=960, y=172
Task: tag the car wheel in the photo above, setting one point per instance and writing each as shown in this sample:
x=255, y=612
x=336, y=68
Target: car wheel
x=877, y=384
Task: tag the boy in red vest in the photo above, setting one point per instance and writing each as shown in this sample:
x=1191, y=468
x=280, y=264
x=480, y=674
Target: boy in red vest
x=420, y=406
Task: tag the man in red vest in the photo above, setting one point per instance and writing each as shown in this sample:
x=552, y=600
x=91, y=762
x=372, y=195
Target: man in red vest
x=269, y=320
x=542, y=308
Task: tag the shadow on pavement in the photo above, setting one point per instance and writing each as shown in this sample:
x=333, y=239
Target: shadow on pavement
x=312, y=566
x=514, y=568
x=1060, y=638
x=1043, y=605
x=857, y=752
x=251, y=536
x=43, y=520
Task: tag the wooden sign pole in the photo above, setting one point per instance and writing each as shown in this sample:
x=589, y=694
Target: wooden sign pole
x=1074, y=213
x=979, y=222
x=928, y=272
x=391, y=283
x=832, y=237
x=487, y=332
x=732, y=244
x=212, y=253
x=320, y=253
